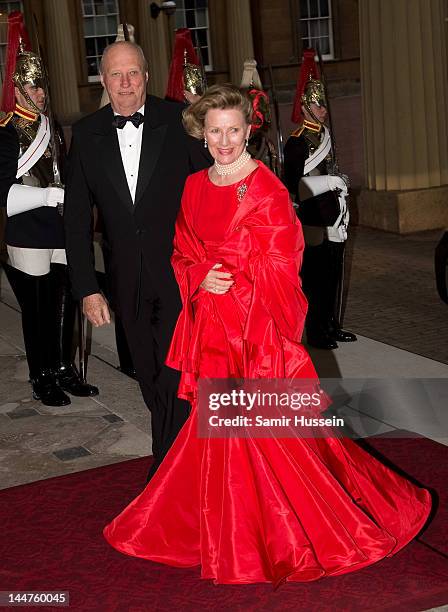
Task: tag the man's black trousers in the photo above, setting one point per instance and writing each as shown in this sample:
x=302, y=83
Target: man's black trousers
x=149, y=334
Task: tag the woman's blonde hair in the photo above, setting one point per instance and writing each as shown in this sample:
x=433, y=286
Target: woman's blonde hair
x=223, y=96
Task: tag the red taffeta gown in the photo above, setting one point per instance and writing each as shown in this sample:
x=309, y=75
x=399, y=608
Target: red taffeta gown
x=257, y=510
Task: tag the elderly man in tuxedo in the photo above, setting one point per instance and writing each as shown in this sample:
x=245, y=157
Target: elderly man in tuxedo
x=131, y=159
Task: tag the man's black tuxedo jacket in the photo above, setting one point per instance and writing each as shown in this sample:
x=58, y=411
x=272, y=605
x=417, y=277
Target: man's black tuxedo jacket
x=138, y=237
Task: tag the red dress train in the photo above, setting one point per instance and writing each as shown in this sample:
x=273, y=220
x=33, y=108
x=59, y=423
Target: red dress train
x=257, y=510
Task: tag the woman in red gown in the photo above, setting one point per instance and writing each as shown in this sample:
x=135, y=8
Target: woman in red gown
x=243, y=509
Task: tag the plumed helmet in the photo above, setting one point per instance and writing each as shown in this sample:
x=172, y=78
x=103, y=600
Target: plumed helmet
x=310, y=89
x=22, y=66
x=314, y=93
x=29, y=70
x=193, y=78
x=185, y=72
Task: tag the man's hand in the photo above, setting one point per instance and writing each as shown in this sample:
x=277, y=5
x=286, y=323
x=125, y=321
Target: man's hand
x=96, y=309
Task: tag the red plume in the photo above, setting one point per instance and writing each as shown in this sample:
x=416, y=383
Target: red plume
x=182, y=42
x=260, y=106
x=16, y=33
x=308, y=70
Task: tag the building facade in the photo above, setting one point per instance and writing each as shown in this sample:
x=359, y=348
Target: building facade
x=385, y=67
x=73, y=34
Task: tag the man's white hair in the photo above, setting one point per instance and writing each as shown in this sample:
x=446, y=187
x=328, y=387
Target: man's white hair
x=128, y=44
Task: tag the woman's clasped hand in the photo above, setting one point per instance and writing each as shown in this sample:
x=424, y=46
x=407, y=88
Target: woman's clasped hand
x=217, y=281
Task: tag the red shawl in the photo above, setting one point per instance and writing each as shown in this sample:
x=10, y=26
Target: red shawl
x=264, y=243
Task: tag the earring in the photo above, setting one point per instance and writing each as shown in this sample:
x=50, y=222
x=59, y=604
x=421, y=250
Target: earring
x=205, y=142
x=247, y=142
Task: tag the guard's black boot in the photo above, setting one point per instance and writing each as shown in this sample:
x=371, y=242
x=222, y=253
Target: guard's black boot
x=342, y=335
x=71, y=381
x=131, y=372
x=321, y=341
x=66, y=373
x=338, y=334
x=34, y=296
x=47, y=390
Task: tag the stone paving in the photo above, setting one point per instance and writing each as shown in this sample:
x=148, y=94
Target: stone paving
x=37, y=441
x=392, y=295
x=391, y=303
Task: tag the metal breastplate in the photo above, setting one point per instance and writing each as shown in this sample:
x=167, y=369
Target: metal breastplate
x=41, y=174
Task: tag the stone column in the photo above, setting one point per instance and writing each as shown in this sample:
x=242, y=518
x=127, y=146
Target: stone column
x=405, y=104
x=239, y=37
x=152, y=37
x=61, y=61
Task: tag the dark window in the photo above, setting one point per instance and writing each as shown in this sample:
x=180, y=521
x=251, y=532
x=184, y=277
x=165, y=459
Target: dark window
x=6, y=7
x=315, y=27
x=100, y=29
x=193, y=14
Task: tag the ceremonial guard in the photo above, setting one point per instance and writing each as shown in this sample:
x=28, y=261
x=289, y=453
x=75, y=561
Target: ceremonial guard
x=32, y=193
x=186, y=77
x=441, y=267
x=319, y=192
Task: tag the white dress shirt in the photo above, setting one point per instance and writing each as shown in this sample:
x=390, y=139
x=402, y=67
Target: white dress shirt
x=130, y=141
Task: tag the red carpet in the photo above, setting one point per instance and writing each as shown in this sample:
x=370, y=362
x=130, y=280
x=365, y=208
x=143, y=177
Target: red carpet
x=51, y=540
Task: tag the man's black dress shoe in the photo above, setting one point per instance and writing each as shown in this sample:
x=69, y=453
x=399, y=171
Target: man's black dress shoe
x=70, y=380
x=128, y=371
x=47, y=390
x=321, y=342
x=340, y=335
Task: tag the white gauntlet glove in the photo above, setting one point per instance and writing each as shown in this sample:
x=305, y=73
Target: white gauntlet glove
x=53, y=196
x=337, y=182
x=311, y=186
x=22, y=198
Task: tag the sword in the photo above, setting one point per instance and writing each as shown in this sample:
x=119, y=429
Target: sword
x=54, y=142
x=277, y=119
x=334, y=170
x=334, y=157
x=340, y=295
x=55, y=151
x=57, y=182
x=201, y=61
x=82, y=356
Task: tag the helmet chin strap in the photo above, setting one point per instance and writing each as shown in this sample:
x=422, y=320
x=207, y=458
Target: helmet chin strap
x=308, y=109
x=32, y=106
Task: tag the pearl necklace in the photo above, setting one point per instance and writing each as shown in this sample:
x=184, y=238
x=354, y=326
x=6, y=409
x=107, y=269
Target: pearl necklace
x=226, y=169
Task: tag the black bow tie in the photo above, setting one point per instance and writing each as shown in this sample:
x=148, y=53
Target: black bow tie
x=120, y=121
